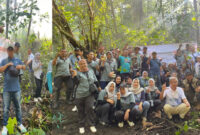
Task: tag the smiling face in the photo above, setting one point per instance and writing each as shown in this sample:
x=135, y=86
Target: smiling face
x=135, y=83
x=151, y=83
x=109, y=56
x=145, y=74
x=118, y=80
x=83, y=65
x=112, y=87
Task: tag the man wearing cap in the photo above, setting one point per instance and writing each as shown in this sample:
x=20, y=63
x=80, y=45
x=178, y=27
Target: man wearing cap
x=11, y=92
x=17, y=55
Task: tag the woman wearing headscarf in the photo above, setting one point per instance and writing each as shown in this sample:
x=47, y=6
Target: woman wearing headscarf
x=144, y=79
x=38, y=74
x=142, y=107
x=152, y=95
x=84, y=98
x=124, y=107
x=108, y=69
x=105, y=103
x=118, y=82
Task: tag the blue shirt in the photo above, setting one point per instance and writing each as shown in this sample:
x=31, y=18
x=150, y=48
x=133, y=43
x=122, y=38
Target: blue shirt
x=125, y=64
x=155, y=66
x=11, y=84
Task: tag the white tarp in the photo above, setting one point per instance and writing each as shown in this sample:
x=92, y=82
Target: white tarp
x=4, y=43
x=166, y=52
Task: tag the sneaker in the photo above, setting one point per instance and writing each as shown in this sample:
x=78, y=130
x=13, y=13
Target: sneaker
x=35, y=99
x=130, y=123
x=40, y=99
x=22, y=128
x=4, y=130
x=102, y=123
x=82, y=130
x=75, y=109
x=93, y=129
x=121, y=124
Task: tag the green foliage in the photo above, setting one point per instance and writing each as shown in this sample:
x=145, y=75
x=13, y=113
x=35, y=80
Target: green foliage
x=151, y=23
x=12, y=123
x=35, y=131
x=21, y=14
x=57, y=119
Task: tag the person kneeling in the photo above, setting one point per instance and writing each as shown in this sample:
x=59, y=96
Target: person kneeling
x=124, y=107
x=105, y=103
x=176, y=102
x=142, y=107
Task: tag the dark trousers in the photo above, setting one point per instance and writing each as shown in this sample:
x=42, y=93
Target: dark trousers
x=105, y=112
x=38, y=87
x=68, y=81
x=157, y=105
x=103, y=84
x=119, y=115
x=85, y=111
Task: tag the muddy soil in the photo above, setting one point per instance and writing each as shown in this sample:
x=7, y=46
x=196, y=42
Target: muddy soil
x=70, y=125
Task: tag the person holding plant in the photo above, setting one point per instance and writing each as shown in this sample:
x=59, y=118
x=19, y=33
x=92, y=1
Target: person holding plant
x=11, y=91
x=108, y=67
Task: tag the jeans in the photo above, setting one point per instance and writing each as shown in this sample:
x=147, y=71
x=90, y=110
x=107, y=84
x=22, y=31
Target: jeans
x=38, y=87
x=15, y=97
x=138, y=113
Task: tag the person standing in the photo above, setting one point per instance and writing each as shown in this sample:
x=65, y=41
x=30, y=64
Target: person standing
x=29, y=64
x=62, y=75
x=125, y=64
x=17, y=55
x=11, y=91
x=38, y=74
x=155, y=66
x=84, y=97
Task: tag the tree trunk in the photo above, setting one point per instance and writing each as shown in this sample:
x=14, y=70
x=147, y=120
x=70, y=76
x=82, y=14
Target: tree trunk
x=197, y=21
x=29, y=25
x=7, y=17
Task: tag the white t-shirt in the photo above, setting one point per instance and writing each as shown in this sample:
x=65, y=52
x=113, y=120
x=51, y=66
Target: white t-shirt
x=30, y=57
x=174, y=98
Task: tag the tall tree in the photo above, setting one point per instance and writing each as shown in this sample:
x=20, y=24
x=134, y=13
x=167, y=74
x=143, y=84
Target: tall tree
x=196, y=22
x=7, y=16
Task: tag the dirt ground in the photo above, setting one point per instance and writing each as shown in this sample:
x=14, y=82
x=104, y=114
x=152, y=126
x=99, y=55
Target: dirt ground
x=70, y=126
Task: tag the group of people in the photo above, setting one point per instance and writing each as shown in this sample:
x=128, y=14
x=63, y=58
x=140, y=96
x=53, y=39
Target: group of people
x=108, y=87
x=13, y=67
x=127, y=86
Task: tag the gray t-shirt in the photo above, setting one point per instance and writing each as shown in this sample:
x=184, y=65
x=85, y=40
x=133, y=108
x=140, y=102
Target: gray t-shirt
x=63, y=67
